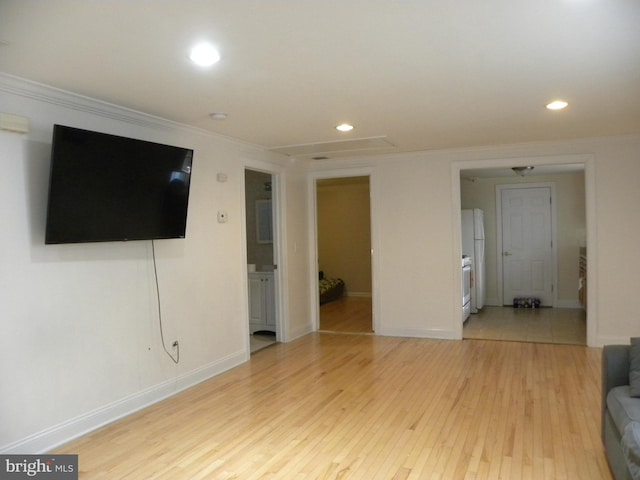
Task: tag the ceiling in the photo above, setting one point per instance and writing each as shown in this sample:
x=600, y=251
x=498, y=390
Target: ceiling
x=410, y=75
x=508, y=172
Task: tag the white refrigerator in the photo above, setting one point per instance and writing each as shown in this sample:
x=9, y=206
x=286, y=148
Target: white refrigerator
x=473, y=246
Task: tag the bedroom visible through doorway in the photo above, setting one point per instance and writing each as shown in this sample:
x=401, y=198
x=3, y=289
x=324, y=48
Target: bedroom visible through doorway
x=344, y=254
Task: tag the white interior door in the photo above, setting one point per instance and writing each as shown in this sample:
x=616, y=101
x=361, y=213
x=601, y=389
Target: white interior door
x=527, y=249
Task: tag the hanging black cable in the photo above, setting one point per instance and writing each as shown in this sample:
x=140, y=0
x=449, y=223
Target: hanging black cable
x=175, y=359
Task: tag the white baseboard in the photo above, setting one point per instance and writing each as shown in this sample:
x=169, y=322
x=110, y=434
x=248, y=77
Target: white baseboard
x=568, y=304
x=493, y=302
x=602, y=340
x=408, y=332
x=296, y=333
x=50, y=438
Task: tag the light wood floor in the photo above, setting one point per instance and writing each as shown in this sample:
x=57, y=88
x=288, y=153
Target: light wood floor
x=335, y=406
x=347, y=315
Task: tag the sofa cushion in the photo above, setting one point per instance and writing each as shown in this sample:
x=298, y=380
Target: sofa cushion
x=631, y=448
x=634, y=367
x=623, y=407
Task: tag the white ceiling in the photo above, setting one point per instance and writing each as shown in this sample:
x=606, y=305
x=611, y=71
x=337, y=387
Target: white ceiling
x=411, y=74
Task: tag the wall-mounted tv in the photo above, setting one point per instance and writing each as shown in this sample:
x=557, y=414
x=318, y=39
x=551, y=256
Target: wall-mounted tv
x=105, y=188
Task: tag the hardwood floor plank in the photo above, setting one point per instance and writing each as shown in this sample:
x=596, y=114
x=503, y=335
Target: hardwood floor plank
x=334, y=406
x=347, y=315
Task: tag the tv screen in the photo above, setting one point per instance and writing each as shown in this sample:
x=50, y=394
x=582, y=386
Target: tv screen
x=106, y=188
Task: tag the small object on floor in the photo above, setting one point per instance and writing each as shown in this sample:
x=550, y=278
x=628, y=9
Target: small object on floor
x=526, y=302
x=266, y=333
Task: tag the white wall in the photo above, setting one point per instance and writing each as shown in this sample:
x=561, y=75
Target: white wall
x=618, y=229
x=79, y=324
x=415, y=205
x=295, y=260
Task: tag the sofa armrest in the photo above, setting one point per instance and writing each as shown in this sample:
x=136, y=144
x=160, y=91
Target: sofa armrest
x=615, y=367
x=615, y=372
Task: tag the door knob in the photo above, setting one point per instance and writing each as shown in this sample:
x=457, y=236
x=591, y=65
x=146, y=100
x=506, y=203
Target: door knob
x=506, y=254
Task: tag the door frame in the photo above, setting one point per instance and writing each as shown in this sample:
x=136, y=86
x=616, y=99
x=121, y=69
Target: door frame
x=313, y=238
x=554, y=228
x=586, y=159
x=279, y=259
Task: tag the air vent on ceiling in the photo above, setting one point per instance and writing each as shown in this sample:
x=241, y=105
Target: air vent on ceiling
x=319, y=151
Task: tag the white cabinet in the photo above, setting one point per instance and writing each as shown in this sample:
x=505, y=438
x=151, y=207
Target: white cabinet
x=262, y=310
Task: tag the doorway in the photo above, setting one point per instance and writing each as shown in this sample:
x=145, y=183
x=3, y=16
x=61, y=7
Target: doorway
x=261, y=259
x=558, y=227
x=343, y=216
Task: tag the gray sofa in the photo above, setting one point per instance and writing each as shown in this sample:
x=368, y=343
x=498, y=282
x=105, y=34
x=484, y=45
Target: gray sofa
x=620, y=413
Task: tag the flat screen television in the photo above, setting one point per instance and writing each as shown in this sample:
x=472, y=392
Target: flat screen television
x=105, y=188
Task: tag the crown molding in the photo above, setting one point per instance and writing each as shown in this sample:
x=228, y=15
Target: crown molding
x=55, y=96
x=74, y=101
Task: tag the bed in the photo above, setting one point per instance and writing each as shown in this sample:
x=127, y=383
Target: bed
x=330, y=288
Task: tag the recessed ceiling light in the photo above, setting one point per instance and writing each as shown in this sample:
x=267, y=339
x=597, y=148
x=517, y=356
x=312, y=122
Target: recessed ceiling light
x=345, y=127
x=218, y=116
x=557, y=105
x=204, y=54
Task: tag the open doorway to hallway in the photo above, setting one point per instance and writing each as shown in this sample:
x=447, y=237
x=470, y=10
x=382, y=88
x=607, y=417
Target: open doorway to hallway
x=566, y=319
x=344, y=254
